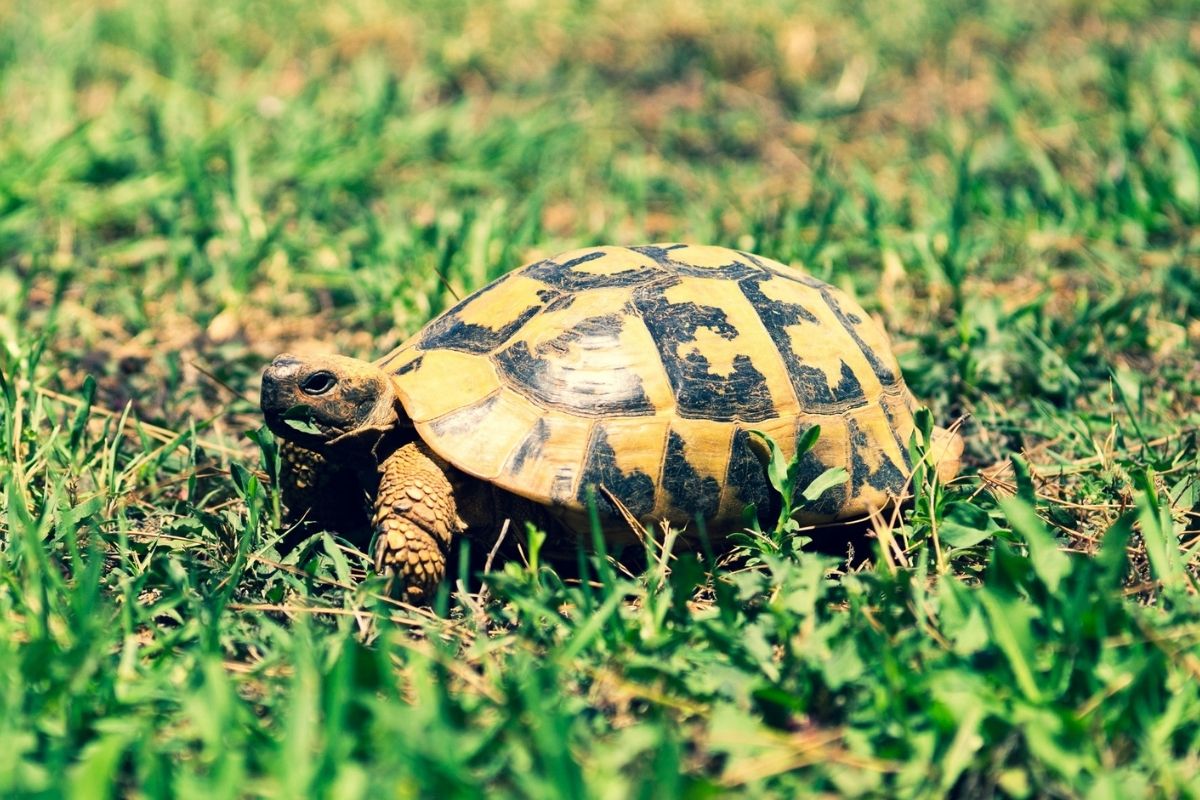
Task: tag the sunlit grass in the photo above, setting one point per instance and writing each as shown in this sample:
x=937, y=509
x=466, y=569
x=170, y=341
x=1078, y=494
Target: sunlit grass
x=188, y=188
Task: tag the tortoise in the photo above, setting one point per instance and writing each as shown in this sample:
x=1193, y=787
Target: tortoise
x=631, y=377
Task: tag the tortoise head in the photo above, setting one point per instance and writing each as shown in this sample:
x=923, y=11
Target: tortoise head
x=323, y=401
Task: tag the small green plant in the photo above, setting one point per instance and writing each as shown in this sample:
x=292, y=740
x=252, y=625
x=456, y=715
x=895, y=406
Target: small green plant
x=785, y=479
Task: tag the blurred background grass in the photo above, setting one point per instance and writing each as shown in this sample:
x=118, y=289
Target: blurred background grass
x=188, y=188
x=226, y=179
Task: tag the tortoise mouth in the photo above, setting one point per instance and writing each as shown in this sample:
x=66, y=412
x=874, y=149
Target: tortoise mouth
x=285, y=413
x=300, y=420
x=299, y=424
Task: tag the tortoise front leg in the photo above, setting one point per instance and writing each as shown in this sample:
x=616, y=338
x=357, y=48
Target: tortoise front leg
x=300, y=479
x=416, y=515
x=323, y=494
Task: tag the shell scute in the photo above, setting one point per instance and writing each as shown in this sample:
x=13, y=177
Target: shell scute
x=693, y=491
x=491, y=431
x=583, y=358
x=529, y=450
x=745, y=479
x=427, y=391
x=545, y=465
x=611, y=468
x=874, y=469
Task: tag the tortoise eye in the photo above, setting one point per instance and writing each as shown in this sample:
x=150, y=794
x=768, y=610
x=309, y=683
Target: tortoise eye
x=318, y=383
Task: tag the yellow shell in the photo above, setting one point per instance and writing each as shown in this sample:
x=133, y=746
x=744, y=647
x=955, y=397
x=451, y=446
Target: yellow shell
x=639, y=372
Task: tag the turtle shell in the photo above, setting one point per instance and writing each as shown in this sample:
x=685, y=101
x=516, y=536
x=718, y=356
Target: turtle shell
x=640, y=372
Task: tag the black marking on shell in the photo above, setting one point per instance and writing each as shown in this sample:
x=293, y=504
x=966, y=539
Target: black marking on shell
x=440, y=327
x=568, y=279
x=775, y=314
x=901, y=445
x=467, y=419
x=700, y=394
x=734, y=270
x=747, y=475
x=848, y=387
x=810, y=383
x=560, y=487
x=583, y=259
x=691, y=492
x=887, y=477
x=635, y=490
x=530, y=448
x=561, y=302
x=832, y=500
x=850, y=322
x=555, y=300
x=547, y=378
x=659, y=254
x=449, y=332
x=787, y=273
x=410, y=366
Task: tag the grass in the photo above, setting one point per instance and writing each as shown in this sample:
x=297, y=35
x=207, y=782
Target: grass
x=188, y=188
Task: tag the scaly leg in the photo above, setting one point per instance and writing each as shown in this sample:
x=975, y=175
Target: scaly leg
x=299, y=480
x=416, y=516
x=316, y=491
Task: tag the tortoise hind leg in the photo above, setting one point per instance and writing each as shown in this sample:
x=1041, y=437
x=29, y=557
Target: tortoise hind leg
x=416, y=516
